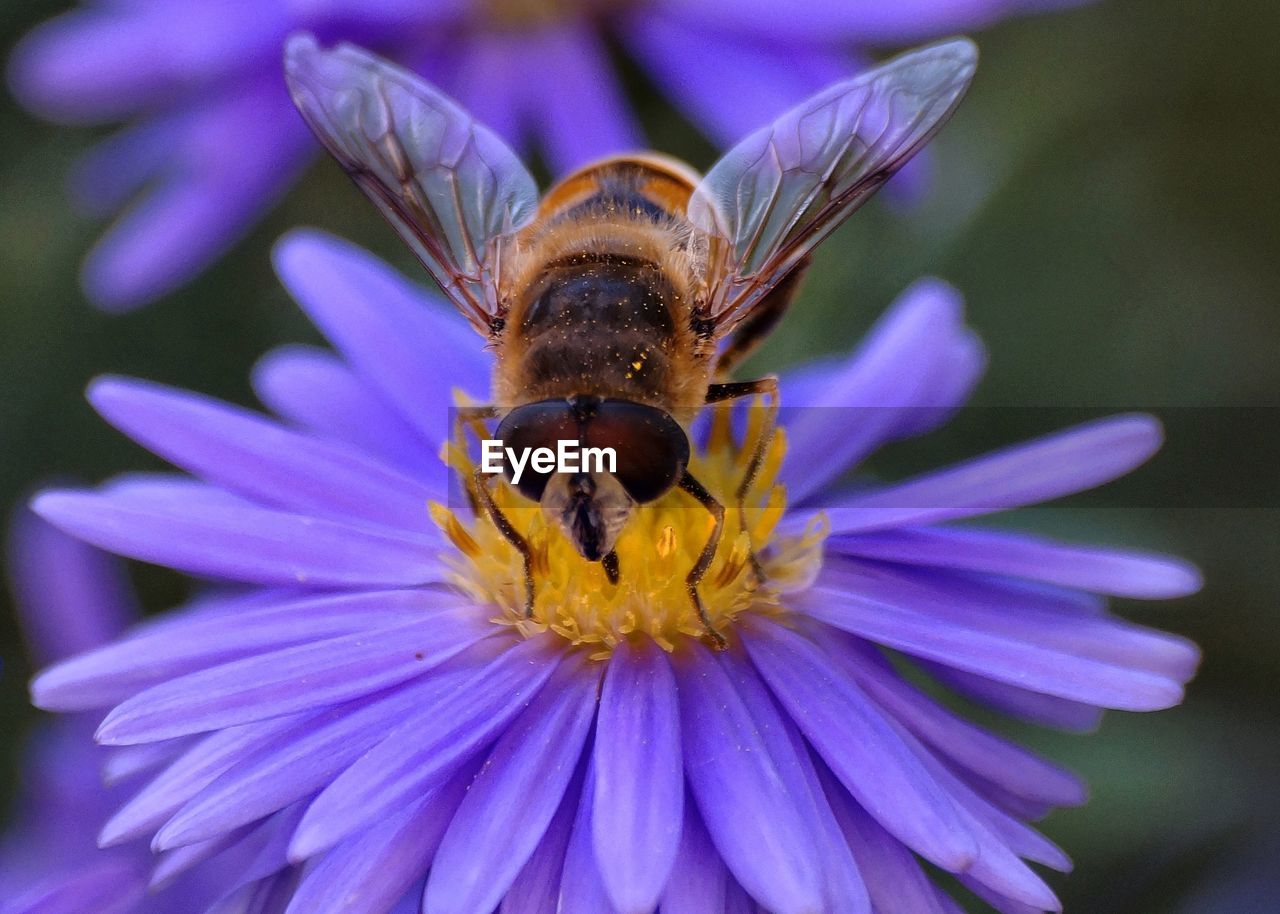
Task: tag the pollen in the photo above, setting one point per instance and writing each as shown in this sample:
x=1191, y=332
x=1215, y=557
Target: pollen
x=754, y=567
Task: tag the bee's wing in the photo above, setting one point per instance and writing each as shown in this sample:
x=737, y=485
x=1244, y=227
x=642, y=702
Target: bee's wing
x=772, y=198
x=450, y=187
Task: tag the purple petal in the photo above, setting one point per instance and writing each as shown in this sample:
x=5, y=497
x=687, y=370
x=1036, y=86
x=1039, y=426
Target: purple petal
x=162, y=524
x=842, y=885
x=422, y=754
x=1024, y=704
x=520, y=785
x=832, y=21
x=893, y=878
x=1119, y=572
x=977, y=614
x=292, y=679
x=727, y=84
x=1046, y=616
x=582, y=890
x=101, y=64
x=891, y=377
x=536, y=890
x=103, y=179
x=208, y=197
x=301, y=763
x=314, y=390
x=164, y=650
x=741, y=793
x=862, y=747
x=260, y=459
x=372, y=870
x=968, y=745
x=1064, y=463
x=639, y=783
x=393, y=333
x=577, y=105
x=69, y=596
x=198, y=767
x=703, y=878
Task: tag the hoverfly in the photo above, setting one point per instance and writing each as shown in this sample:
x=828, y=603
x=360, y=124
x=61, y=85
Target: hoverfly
x=617, y=305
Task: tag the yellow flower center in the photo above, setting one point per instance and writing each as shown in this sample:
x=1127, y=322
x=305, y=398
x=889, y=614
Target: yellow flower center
x=656, y=550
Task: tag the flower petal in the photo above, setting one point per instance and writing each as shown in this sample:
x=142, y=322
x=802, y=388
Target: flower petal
x=703, y=877
x=520, y=786
x=639, y=783
x=728, y=84
x=199, y=766
x=842, y=885
x=163, y=650
x=741, y=793
x=424, y=752
x=301, y=763
x=577, y=106
x=70, y=596
x=1119, y=572
x=889, y=380
x=536, y=890
x=372, y=870
x=260, y=459
x=315, y=390
x=582, y=891
x=162, y=524
x=966, y=744
x=993, y=655
x=292, y=679
x=1060, y=464
x=861, y=746
x=393, y=333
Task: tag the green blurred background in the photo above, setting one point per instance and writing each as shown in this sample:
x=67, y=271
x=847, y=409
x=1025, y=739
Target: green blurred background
x=1109, y=203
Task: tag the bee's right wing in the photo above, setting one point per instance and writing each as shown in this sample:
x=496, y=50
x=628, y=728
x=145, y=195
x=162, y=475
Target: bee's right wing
x=775, y=196
x=451, y=188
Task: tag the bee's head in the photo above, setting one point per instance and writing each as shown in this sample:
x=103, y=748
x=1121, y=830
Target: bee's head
x=649, y=453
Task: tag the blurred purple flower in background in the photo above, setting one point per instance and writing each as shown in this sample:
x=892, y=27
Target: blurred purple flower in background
x=371, y=694
x=212, y=140
x=73, y=598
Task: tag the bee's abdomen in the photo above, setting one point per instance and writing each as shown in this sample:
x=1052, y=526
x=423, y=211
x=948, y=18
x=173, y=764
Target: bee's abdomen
x=599, y=322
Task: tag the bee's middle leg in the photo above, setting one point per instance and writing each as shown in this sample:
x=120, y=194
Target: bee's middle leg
x=735, y=390
x=708, y=501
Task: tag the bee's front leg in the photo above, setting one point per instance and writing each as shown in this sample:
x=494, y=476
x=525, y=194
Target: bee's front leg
x=708, y=501
x=510, y=533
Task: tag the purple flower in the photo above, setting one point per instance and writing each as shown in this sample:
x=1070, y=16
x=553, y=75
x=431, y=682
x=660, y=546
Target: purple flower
x=73, y=598
x=212, y=140
x=366, y=685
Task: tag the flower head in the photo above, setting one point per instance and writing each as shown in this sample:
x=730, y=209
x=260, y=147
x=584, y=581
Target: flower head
x=362, y=685
x=212, y=139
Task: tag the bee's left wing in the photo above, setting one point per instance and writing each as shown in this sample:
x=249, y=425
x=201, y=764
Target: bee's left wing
x=450, y=187
x=775, y=196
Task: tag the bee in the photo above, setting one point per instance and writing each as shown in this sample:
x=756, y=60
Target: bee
x=617, y=304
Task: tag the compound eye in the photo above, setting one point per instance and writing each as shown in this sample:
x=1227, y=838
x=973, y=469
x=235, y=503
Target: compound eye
x=652, y=449
x=532, y=426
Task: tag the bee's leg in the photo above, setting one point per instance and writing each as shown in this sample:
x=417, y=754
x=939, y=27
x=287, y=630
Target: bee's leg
x=734, y=390
x=610, y=563
x=510, y=533
x=465, y=417
x=707, y=500
x=760, y=322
